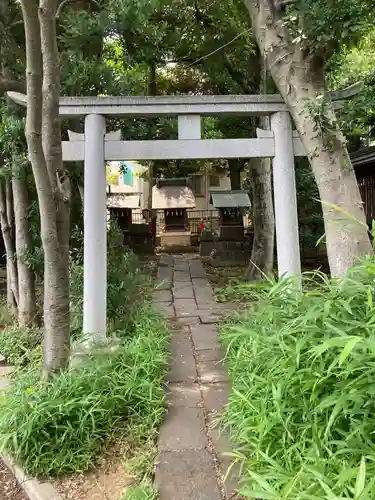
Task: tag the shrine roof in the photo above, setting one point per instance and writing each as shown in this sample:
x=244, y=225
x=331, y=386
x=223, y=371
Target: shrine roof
x=230, y=199
x=123, y=200
x=172, y=197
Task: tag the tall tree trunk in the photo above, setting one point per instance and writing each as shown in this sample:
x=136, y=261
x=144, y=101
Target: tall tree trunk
x=262, y=253
x=7, y=229
x=44, y=145
x=235, y=167
x=300, y=79
x=26, y=278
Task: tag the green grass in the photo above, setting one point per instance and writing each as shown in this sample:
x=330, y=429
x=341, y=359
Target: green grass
x=143, y=491
x=301, y=411
x=18, y=344
x=237, y=291
x=60, y=426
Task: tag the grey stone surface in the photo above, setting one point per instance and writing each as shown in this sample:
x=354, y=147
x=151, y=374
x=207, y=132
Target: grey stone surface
x=162, y=296
x=166, y=260
x=186, y=476
x=185, y=307
x=181, y=266
x=189, y=320
x=182, y=362
x=197, y=269
x=205, y=337
x=208, y=319
x=215, y=354
x=165, y=272
x=163, y=284
x=185, y=469
x=230, y=472
x=211, y=372
x=183, y=429
x=203, y=292
x=183, y=292
x=165, y=309
x=182, y=276
x=201, y=284
x=187, y=395
x=215, y=396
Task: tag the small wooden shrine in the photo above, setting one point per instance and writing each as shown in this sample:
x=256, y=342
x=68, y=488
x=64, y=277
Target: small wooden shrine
x=229, y=244
x=231, y=206
x=120, y=206
x=174, y=197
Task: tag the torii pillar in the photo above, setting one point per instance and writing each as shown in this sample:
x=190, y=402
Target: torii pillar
x=95, y=230
x=285, y=199
x=95, y=222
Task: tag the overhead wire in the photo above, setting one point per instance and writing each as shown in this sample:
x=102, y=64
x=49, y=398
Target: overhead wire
x=206, y=56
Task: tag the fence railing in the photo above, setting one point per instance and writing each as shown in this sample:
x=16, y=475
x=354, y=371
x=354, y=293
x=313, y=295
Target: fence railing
x=367, y=189
x=195, y=218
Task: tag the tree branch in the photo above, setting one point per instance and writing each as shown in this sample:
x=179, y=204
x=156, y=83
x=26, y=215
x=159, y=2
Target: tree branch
x=64, y=2
x=8, y=85
x=237, y=75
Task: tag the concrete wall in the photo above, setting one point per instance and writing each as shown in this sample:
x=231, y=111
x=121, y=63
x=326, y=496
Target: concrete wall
x=140, y=185
x=203, y=201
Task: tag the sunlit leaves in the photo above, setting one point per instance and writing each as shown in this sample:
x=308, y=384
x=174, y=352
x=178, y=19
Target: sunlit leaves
x=301, y=410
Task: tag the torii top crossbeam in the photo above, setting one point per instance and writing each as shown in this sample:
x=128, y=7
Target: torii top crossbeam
x=203, y=105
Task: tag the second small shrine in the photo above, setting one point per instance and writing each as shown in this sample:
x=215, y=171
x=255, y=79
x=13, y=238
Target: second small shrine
x=228, y=245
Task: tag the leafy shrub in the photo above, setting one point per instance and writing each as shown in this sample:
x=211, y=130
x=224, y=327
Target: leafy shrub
x=302, y=406
x=17, y=344
x=6, y=315
x=59, y=426
x=235, y=291
x=127, y=285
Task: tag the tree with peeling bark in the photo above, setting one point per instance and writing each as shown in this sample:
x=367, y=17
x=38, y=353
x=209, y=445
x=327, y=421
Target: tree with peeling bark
x=15, y=174
x=44, y=145
x=297, y=38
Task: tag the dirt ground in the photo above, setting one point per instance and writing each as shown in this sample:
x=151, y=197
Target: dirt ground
x=108, y=481
x=221, y=275
x=9, y=488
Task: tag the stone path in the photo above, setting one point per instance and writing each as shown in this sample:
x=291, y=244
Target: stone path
x=191, y=464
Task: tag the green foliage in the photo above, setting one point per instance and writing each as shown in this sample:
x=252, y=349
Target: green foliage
x=60, y=426
x=321, y=27
x=127, y=284
x=310, y=217
x=17, y=344
x=237, y=291
x=13, y=145
x=6, y=315
x=357, y=118
x=302, y=404
x=144, y=491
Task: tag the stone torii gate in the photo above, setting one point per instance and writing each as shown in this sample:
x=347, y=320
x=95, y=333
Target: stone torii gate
x=95, y=147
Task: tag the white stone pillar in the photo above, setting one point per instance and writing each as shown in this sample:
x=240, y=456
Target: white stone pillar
x=95, y=231
x=285, y=198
